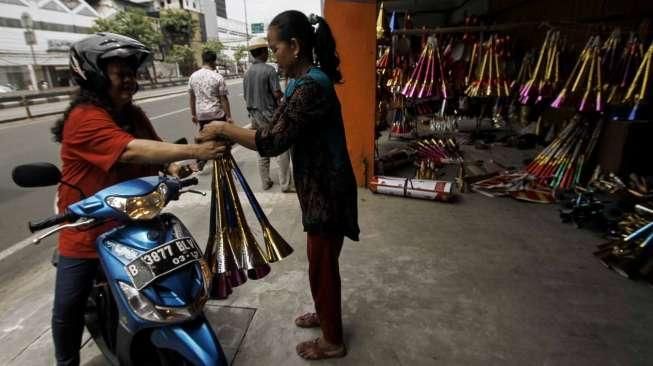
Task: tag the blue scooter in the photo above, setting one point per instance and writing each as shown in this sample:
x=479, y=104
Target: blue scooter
x=146, y=306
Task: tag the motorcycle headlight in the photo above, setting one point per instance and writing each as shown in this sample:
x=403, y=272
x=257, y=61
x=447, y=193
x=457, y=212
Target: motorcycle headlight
x=144, y=308
x=143, y=207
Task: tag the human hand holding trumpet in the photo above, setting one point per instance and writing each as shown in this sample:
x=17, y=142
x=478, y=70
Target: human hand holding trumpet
x=227, y=130
x=232, y=251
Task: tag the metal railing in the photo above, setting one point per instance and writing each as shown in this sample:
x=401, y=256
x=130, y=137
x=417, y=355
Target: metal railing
x=25, y=98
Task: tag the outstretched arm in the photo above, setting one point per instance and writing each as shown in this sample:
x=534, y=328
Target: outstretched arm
x=229, y=131
x=141, y=151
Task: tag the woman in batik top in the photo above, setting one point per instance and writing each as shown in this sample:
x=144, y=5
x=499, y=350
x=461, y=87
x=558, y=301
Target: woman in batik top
x=309, y=123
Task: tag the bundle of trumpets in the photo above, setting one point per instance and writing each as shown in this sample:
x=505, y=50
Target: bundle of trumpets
x=428, y=78
x=632, y=255
x=541, y=80
x=232, y=251
x=489, y=79
x=590, y=73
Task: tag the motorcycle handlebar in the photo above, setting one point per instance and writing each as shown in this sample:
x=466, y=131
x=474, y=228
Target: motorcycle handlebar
x=51, y=221
x=188, y=182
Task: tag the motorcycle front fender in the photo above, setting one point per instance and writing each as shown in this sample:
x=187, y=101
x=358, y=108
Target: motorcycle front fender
x=194, y=340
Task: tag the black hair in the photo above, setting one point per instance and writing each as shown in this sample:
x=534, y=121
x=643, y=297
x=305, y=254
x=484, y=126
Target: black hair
x=209, y=57
x=258, y=52
x=123, y=118
x=317, y=42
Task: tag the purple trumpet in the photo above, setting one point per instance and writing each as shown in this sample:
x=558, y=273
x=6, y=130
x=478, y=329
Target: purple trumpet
x=583, y=103
x=557, y=103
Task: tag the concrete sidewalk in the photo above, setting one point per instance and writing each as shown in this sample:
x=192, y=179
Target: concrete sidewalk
x=478, y=282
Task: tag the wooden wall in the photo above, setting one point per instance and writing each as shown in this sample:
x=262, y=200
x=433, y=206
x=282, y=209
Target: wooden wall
x=353, y=24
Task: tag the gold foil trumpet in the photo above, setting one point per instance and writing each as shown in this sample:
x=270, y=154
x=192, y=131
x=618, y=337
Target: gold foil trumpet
x=248, y=253
x=215, y=248
x=219, y=252
x=232, y=251
x=276, y=247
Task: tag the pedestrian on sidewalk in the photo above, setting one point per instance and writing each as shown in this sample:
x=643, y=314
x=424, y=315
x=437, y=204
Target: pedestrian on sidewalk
x=105, y=139
x=263, y=95
x=310, y=120
x=208, y=94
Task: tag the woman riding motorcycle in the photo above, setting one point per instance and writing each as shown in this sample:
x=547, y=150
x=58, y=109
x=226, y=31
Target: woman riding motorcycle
x=105, y=139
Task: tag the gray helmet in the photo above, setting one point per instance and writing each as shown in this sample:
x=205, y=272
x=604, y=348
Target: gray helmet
x=87, y=57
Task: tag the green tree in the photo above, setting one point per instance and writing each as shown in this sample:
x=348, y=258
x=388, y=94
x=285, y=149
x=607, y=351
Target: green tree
x=132, y=23
x=271, y=57
x=185, y=57
x=213, y=45
x=178, y=26
x=240, y=53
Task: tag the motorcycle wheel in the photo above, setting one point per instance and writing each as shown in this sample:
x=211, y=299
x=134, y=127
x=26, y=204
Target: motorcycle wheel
x=171, y=358
x=148, y=355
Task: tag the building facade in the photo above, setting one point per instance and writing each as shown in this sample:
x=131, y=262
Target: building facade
x=55, y=25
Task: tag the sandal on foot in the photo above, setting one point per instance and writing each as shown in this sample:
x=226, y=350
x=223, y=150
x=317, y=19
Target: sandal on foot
x=311, y=350
x=308, y=320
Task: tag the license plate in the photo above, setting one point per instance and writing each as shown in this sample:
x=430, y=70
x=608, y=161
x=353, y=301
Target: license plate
x=162, y=260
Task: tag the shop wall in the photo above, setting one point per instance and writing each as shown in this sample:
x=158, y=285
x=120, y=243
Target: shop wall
x=569, y=10
x=472, y=7
x=353, y=25
x=576, y=18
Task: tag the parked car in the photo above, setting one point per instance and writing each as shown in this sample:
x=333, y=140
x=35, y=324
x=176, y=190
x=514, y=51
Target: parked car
x=7, y=88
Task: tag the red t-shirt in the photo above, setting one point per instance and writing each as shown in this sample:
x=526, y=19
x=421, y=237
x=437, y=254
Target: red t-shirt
x=91, y=145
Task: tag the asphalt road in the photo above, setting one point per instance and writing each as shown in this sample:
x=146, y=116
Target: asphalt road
x=31, y=141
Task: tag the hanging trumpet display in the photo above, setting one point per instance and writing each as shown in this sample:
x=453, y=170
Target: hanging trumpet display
x=489, y=79
x=637, y=92
x=590, y=73
x=428, y=77
x=525, y=72
x=545, y=75
x=620, y=75
x=232, y=251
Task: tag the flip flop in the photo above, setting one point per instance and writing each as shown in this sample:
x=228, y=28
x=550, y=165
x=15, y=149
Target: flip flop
x=317, y=353
x=308, y=320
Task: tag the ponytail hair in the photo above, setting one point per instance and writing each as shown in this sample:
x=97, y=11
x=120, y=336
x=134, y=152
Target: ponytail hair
x=316, y=44
x=325, y=49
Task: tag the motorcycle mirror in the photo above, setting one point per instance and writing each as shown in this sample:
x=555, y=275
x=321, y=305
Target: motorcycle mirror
x=36, y=175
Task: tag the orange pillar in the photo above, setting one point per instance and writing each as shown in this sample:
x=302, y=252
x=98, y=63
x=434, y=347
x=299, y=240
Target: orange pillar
x=353, y=24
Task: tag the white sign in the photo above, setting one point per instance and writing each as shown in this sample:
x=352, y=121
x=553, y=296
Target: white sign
x=61, y=45
x=30, y=38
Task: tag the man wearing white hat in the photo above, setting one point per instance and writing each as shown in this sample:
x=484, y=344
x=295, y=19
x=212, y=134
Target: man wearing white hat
x=262, y=95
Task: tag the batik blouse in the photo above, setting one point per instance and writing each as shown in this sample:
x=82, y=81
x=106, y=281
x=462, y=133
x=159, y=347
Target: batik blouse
x=309, y=123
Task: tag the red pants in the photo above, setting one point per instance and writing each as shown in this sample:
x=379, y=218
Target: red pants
x=324, y=276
